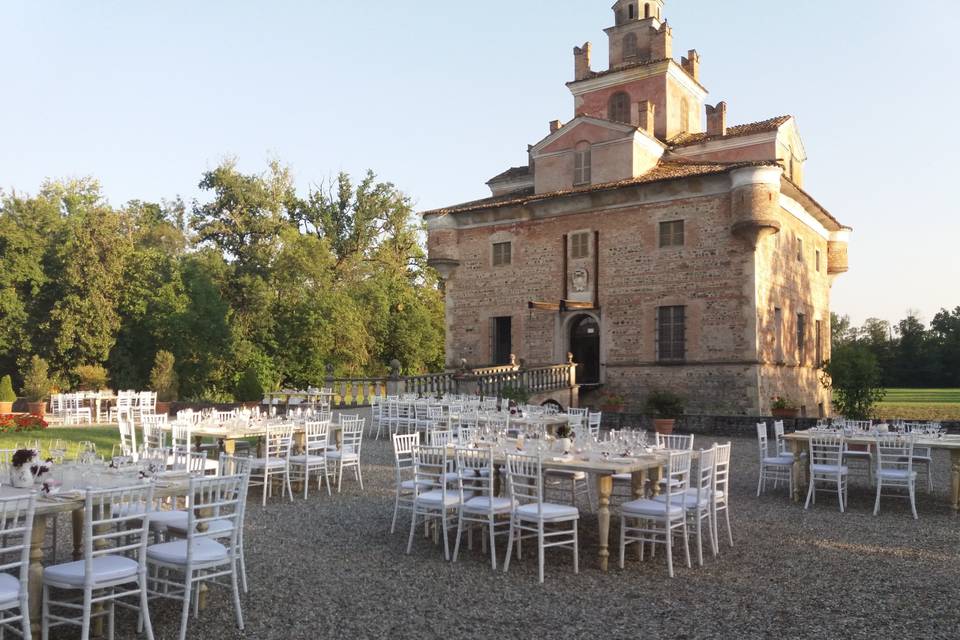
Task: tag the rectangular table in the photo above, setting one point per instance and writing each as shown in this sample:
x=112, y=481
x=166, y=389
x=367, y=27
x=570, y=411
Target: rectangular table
x=640, y=468
x=800, y=442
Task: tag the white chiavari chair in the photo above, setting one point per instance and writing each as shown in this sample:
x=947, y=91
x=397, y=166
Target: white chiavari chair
x=550, y=524
x=314, y=457
x=895, y=468
x=827, y=468
x=348, y=455
x=479, y=506
x=698, y=500
x=774, y=468
x=203, y=555
x=721, y=491
x=657, y=521
x=403, y=445
x=16, y=528
x=433, y=498
x=275, y=462
x=115, y=535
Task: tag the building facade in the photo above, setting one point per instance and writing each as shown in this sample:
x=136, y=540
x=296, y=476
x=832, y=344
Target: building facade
x=661, y=253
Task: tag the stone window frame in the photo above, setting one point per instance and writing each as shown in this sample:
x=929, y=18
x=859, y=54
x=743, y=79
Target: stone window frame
x=671, y=320
x=801, y=337
x=799, y=249
x=580, y=240
x=582, y=164
x=497, y=256
x=618, y=107
x=817, y=258
x=672, y=239
x=631, y=47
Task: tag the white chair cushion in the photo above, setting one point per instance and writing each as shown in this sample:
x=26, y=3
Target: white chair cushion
x=345, y=456
x=832, y=469
x=436, y=498
x=219, y=528
x=857, y=454
x=651, y=508
x=9, y=589
x=409, y=485
x=897, y=474
x=272, y=463
x=308, y=459
x=481, y=504
x=779, y=460
x=205, y=551
x=163, y=519
x=689, y=500
x=105, y=569
x=551, y=511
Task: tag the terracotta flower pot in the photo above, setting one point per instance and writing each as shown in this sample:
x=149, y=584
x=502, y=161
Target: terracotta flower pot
x=5, y=408
x=38, y=409
x=785, y=413
x=163, y=408
x=664, y=426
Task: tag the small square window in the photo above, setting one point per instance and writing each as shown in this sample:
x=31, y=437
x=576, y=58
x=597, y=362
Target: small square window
x=671, y=234
x=580, y=245
x=501, y=253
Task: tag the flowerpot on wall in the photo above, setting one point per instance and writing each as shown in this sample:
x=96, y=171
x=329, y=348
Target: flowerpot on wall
x=163, y=408
x=785, y=413
x=6, y=407
x=664, y=426
x=611, y=408
x=38, y=409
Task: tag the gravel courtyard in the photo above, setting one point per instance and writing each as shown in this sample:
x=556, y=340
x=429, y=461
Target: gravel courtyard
x=329, y=567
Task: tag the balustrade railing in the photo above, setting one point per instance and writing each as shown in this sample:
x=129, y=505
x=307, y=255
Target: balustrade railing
x=487, y=381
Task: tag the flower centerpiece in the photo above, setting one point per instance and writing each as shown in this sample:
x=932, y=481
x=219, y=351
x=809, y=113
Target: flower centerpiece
x=25, y=468
x=564, y=434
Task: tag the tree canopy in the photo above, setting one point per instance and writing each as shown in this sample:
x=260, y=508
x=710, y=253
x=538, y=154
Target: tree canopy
x=255, y=286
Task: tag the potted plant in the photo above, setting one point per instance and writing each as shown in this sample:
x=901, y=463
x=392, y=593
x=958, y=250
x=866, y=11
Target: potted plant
x=163, y=380
x=665, y=407
x=7, y=396
x=611, y=403
x=36, y=386
x=783, y=407
x=515, y=396
x=90, y=377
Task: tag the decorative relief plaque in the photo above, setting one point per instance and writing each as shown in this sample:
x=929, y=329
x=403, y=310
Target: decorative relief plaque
x=580, y=279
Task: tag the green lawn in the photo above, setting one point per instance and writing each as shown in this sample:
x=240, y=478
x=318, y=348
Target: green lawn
x=103, y=437
x=920, y=404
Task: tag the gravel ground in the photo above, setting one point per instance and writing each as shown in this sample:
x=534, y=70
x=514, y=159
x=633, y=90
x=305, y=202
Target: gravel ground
x=328, y=567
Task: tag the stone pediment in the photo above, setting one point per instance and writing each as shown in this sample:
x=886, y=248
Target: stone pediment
x=583, y=128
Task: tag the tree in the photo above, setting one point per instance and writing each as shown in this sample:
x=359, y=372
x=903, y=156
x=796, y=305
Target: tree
x=855, y=377
x=945, y=337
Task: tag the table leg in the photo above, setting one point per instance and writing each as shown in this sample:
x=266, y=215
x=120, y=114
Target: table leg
x=76, y=518
x=36, y=572
x=955, y=478
x=300, y=446
x=656, y=474
x=229, y=446
x=796, y=470
x=604, y=490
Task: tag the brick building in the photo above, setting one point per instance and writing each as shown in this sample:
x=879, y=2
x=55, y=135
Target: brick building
x=661, y=253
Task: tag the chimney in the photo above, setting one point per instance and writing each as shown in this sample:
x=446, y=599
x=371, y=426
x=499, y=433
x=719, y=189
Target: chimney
x=691, y=64
x=555, y=125
x=645, y=117
x=717, y=120
x=581, y=59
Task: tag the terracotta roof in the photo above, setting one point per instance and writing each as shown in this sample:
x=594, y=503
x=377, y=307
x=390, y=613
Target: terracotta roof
x=771, y=124
x=512, y=173
x=666, y=170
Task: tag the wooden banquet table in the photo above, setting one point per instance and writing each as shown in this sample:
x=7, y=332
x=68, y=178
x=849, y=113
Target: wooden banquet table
x=229, y=436
x=641, y=467
x=800, y=441
x=72, y=503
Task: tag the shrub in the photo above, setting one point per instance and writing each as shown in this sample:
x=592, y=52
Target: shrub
x=36, y=382
x=91, y=377
x=520, y=395
x=6, y=390
x=856, y=380
x=249, y=387
x=163, y=377
x=664, y=404
x=16, y=424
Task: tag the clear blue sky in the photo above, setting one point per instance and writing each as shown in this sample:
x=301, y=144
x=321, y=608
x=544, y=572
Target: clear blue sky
x=440, y=96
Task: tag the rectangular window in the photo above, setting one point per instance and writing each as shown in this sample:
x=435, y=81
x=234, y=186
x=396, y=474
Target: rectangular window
x=778, y=332
x=581, y=167
x=501, y=253
x=671, y=338
x=671, y=234
x=501, y=340
x=799, y=250
x=801, y=335
x=818, y=340
x=580, y=245
x=818, y=261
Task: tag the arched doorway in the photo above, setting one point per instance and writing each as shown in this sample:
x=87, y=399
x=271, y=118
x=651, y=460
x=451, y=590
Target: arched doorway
x=585, y=347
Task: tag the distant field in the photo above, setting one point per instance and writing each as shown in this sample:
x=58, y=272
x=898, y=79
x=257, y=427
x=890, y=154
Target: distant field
x=920, y=404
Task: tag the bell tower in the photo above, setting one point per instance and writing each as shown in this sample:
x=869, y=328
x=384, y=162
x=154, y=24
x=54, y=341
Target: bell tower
x=639, y=34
